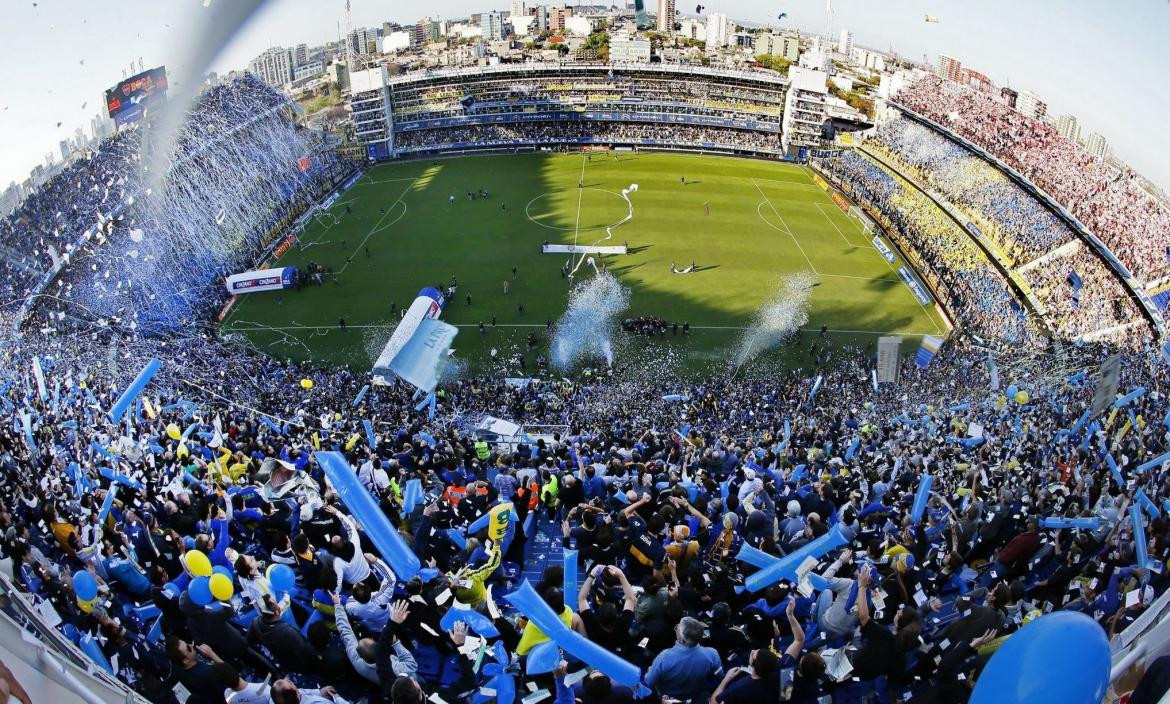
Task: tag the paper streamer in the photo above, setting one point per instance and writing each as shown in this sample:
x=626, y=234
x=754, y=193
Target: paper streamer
x=135, y=388
x=529, y=603
x=39, y=375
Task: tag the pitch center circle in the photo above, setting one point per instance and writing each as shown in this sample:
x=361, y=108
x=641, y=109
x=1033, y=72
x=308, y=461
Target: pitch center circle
x=577, y=210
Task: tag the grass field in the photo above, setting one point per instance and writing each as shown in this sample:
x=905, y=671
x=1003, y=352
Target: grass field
x=396, y=231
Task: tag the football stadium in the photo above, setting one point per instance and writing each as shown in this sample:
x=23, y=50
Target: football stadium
x=580, y=354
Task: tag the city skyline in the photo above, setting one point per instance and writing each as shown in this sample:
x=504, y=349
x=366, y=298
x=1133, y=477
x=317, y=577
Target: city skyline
x=1052, y=63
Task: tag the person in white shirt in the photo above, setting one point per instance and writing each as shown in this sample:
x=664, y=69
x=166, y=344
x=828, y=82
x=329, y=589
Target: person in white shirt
x=236, y=690
x=254, y=585
x=366, y=472
x=371, y=608
x=285, y=692
x=362, y=653
x=354, y=568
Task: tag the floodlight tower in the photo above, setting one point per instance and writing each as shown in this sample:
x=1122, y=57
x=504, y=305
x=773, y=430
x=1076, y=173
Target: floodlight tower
x=348, y=43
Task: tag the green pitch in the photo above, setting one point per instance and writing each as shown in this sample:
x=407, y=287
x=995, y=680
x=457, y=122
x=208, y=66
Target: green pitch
x=743, y=223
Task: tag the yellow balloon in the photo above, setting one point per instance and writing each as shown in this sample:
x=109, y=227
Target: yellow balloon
x=182, y=451
x=336, y=416
x=221, y=587
x=197, y=563
x=86, y=606
x=173, y=431
x=1022, y=397
x=306, y=383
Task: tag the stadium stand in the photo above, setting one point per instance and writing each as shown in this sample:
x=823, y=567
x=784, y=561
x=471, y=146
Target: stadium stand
x=667, y=107
x=1080, y=293
x=1107, y=199
x=121, y=531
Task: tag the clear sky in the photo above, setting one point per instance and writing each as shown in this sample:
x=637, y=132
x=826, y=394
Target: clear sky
x=1107, y=63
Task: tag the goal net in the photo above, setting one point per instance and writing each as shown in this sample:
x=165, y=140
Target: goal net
x=867, y=225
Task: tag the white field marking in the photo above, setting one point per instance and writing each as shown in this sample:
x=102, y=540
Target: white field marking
x=559, y=228
x=790, y=234
x=385, y=180
x=580, y=197
x=861, y=278
x=261, y=328
x=821, y=207
x=789, y=182
x=377, y=224
x=774, y=226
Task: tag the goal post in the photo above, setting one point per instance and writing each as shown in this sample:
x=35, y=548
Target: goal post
x=867, y=225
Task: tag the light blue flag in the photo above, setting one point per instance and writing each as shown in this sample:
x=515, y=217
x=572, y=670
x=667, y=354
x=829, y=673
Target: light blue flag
x=421, y=358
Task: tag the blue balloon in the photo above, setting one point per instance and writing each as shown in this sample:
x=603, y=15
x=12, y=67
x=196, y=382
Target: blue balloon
x=200, y=591
x=368, y=514
x=84, y=585
x=542, y=658
x=1060, y=658
x=921, y=497
x=220, y=569
x=785, y=567
x=282, y=578
x=1011, y=391
x=529, y=603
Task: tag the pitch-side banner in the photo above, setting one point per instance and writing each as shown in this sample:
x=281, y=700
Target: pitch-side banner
x=262, y=280
x=581, y=249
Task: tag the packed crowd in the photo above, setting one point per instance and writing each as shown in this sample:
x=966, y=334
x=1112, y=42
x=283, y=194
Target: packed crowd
x=1082, y=297
x=196, y=549
x=427, y=100
x=1108, y=200
x=631, y=133
x=658, y=514
x=238, y=178
x=953, y=265
x=1019, y=226
x=1007, y=214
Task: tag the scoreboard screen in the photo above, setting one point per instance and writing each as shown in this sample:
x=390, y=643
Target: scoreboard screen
x=127, y=100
